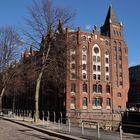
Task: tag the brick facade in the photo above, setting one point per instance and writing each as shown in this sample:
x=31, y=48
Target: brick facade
x=97, y=70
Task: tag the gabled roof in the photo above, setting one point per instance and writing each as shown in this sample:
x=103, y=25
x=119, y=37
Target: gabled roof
x=111, y=17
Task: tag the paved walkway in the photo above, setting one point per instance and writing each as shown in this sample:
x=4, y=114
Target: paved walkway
x=72, y=130
x=13, y=131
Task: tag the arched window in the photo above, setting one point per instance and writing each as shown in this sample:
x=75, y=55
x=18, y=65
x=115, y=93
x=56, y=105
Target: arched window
x=94, y=76
x=107, y=88
x=94, y=88
x=85, y=101
x=84, y=66
x=99, y=88
x=97, y=102
x=107, y=60
x=99, y=77
x=84, y=87
x=96, y=54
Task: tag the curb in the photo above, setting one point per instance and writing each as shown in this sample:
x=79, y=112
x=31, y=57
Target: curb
x=49, y=132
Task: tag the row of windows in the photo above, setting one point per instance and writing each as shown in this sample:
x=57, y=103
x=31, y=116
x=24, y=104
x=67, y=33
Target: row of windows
x=84, y=58
x=95, y=101
x=95, y=67
x=96, y=88
x=115, y=44
x=96, y=49
x=116, y=33
x=95, y=76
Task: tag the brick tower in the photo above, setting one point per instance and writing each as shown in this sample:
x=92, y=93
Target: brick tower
x=97, y=71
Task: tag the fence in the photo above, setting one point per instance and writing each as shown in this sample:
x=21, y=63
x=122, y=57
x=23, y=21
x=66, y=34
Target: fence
x=58, y=121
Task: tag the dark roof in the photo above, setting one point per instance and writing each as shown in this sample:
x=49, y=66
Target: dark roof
x=111, y=17
x=134, y=67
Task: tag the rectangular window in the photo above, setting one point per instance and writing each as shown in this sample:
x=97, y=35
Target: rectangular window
x=98, y=58
x=120, y=74
x=84, y=57
x=84, y=87
x=107, y=88
x=94, y=102
x=85, y=101
x=72, y=100
x=94, y=58
x=73, y=76
x=107, y=77
x=99, y=68
x=72, y=103
x=72, y=66
x=94, y=67
x=73, y=87
x=84, y=76
x=108, y=103
x=73, y=57
x=99, y=102
x=120, y=57
x=119, y=49
x=121, y=83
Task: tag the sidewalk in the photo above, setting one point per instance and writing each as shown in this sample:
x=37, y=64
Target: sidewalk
x=65, y=131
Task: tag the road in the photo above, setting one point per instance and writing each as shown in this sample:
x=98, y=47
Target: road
x=12, y=131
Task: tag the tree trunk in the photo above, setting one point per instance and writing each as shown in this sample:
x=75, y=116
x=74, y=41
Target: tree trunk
x=44, y=59
x=13, y=109
x=1, y=95
x=36, y=115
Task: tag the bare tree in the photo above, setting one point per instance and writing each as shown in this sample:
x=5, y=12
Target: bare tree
x=43, y=21
x=9, y=43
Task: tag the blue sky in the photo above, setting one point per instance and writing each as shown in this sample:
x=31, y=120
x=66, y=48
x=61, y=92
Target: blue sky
x=88, y=12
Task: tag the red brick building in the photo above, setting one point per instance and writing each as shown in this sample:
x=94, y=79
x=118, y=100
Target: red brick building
x=97, y=73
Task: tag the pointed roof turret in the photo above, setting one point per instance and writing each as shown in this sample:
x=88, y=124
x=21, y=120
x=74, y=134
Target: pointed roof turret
x=111, y=17
x=60, y=28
